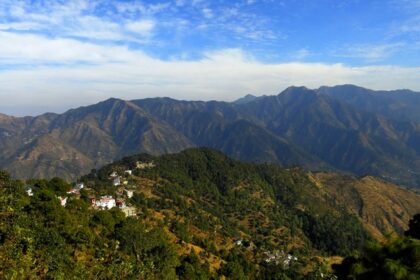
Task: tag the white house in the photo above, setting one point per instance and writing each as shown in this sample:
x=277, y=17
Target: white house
x=105, y=202
x=80, y=186
x=28, y=190
x=63, y=200
x=239, y=242
x=129, y=211
x=128, y=172
x=73, y=191
x=116, y=181
x=113, y=174
x=129, y=193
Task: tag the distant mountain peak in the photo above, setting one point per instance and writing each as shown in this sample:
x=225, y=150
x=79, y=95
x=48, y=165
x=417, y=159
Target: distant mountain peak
x=112, y=100
x=351, y=89
x=296, y=87
x=296, y=90
x=246, y=99
x=293, y=93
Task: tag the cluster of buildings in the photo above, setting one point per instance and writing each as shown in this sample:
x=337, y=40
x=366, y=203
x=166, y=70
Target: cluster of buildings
x=107, y=201
x=118, y=180
x=144, y=165
x=279, y=258
x=76, y=189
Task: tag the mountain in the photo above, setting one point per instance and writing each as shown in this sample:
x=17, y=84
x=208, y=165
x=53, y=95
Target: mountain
x=324, y=129
x=382, y=207
x=247, y=98
x=344, y=138
x=221, y=126
x=396, y=104
x=197, y=214
x=72, y=143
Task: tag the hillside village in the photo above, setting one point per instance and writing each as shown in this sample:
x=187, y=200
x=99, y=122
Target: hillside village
x=124, y=191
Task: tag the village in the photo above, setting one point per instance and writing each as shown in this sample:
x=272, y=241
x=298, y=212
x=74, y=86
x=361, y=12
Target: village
x=277, y=257
x=123, y=193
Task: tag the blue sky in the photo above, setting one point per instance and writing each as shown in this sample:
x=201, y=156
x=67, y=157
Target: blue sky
x=59, y=54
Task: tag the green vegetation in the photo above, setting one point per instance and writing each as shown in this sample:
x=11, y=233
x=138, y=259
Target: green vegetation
x=41, y=239
x=200, y=215
x=399, y=258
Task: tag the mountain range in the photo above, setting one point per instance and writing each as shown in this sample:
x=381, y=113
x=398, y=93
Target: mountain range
x=342, y=128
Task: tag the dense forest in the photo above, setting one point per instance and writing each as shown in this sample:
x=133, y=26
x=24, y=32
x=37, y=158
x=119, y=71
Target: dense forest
x=195, y=215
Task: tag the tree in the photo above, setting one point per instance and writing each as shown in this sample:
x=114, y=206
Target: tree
x=398, y=259
x=414, y=227
x=153, y=253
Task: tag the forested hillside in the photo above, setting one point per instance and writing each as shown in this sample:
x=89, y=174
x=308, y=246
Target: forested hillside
x=193, y=215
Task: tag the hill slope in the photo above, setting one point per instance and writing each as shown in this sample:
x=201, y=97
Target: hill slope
x=197, y=214
x=383, y=208
x=70, y=144
x=207, y=178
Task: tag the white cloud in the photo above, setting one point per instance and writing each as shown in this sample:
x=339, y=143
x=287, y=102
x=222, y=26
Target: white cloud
x=301, y=54
x=197, y=2
x=20, y=26
x=31, y=49
x=179, y=3
x=120, y=72
x=372, y=52
x=208, y=13
x=76, y=18
x=141, y=27
x=411, y=25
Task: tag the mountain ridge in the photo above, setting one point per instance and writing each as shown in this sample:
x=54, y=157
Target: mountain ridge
x=314, y=128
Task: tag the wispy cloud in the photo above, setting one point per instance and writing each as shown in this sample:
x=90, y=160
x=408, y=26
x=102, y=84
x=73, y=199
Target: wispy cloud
x=30, y=49
x=134, y=20
x=208, y=13
x=410, y=24
x=141, y=27
x=301, y=54
x=370, y=52
x=77, y=18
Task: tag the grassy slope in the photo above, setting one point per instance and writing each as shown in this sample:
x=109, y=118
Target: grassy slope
x=382, y=207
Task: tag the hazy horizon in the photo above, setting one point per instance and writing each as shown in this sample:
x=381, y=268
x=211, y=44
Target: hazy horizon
x=35, y=111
